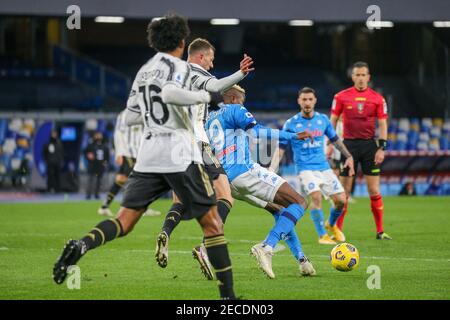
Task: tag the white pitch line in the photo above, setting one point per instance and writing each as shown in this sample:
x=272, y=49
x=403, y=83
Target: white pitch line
x=242, y=254
x=247, y=254
x=315, y=256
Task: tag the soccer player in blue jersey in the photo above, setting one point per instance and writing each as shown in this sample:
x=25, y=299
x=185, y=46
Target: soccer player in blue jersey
x=228, y=128
x=315, y=174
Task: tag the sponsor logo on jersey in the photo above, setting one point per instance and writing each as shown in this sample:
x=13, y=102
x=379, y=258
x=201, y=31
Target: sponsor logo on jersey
x=360, y=99
x=316, y=132
x=315, y=144
x=226, y=151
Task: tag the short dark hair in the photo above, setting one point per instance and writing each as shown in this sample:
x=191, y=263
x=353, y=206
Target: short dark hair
x=200, y=44
x=307, y=90
x=361, y=64
x=165, y=34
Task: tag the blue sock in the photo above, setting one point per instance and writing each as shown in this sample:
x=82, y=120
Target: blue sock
x=286, y=221
x=292, y=241
x=317, y=218
x=334, y=215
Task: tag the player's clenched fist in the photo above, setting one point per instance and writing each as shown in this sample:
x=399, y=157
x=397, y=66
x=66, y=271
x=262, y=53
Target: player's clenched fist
x=305, y=135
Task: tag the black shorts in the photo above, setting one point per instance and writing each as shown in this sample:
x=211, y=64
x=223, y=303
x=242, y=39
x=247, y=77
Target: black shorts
x=212, y=165
x=362, y=151
x=127, y=166
x=193, y=187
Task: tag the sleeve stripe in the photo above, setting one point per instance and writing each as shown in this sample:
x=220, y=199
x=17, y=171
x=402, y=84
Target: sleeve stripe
x=187, y=75
x=133, y=110
x=203, y=72
x=206, y=82
x=171, y=66
x=250, y=125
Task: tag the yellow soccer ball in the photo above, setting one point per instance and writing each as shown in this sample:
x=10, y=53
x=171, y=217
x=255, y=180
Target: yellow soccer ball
x=344, y=257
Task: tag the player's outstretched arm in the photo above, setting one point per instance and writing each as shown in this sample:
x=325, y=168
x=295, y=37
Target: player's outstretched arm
x=277, y=156
x=259, y=131
x=132, y=117
x=216, y=85
x=177, y=96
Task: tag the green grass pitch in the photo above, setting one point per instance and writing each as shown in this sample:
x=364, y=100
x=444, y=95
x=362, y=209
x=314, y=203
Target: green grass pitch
x=415, y=265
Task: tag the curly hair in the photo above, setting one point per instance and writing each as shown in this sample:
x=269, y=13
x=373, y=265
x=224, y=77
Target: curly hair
x=165, y=34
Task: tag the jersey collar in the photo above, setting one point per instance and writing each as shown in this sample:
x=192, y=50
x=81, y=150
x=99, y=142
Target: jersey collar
x=356, y=90
x=198, y=66
x=301, y=115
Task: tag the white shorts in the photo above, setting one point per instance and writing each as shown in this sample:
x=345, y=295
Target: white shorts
x=254, y=201
x=324, y=181
x=258, y=186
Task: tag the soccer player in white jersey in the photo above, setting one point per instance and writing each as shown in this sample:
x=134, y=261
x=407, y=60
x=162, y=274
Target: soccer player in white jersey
x=201, y=57
x=126, y=144
x=168, y=157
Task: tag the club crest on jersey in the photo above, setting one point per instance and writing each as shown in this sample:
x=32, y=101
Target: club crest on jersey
x=361, y=107
x=311, y=186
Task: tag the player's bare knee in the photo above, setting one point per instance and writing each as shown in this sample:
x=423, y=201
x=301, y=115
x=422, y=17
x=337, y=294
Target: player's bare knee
x=212, y=228
x=340, y=204
x=224, y=195
x=373, y=191
x=286, y=196
x=223, y=190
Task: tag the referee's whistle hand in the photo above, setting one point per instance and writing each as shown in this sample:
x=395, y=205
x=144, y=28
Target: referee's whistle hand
x=379, y=157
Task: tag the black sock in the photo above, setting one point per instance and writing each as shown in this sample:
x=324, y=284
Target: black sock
x=112, y=193
x=173, y=217
x=217, y=250
x=106, y=230
x=223, y=207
